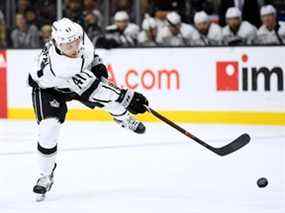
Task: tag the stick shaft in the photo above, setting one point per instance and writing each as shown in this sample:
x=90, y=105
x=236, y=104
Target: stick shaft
x=180, y=129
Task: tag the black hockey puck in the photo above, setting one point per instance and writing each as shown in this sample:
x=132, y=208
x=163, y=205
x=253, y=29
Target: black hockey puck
x=262, y=182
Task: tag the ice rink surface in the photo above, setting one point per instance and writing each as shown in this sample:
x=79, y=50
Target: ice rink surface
x=105, y=169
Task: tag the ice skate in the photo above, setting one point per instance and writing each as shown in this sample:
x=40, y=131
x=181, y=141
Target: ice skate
x=132, y=124
x=43, y=185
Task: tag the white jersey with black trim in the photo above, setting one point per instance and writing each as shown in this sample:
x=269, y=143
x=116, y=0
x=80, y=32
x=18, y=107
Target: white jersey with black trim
x=266, y=36
x=184, y=37
x=246, y=32
x=213, y=37
x=54, y=70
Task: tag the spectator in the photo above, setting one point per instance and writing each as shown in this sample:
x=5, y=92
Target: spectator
x=90, y=6
x=160, y=18
x=23, y=6
x=202, y=5
x=159, y=12
x=159, y=8
x=31, y=17
x=91, y=27
x=122, y=33
x=176, y=33
x=209, y=33
x=45, y=11
x=3, y=43
x=238, y=32
x=145, y=6
x=272, y=31
x=148, y=36
x=249, y=10
x=24, y=36
x=45, y=34
x=74, y=11
x=123, y=5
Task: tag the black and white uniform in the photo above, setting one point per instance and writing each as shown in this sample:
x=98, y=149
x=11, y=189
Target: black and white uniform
x=57, y=79
x=275, y=36
x=245, y=35
x=185, y=36
x=213, y=37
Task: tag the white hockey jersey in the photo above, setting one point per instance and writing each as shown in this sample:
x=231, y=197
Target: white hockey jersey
x=264, y=36
x=160, y=23
x=54, y=70
x=214, y=36
x=127, y=38
x=245, y=35
x=144, y=40
x=184, y=38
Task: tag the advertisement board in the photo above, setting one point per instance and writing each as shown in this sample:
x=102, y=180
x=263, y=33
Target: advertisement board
x=228, y=85
x=3, y=85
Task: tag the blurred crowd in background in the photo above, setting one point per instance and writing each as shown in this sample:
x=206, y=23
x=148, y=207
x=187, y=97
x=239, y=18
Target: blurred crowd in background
x=140, y=23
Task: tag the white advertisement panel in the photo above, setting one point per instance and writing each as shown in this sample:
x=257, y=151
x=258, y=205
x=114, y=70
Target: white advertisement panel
x=237, y=79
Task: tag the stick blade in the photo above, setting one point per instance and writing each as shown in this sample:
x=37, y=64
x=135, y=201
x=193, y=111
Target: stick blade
x=238, y=143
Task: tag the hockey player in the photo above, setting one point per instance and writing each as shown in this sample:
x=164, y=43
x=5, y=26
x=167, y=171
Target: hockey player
x=272, y=31
x=176, y=33
x=68, y=69
x=209, y=33
x=123, y=32
x=148, y=36
x=238, y=32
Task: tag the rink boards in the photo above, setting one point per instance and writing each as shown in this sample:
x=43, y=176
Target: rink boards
x=199, y=85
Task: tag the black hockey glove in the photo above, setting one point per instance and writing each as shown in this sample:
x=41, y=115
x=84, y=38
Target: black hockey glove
x=137, y=104
x=98, y=68
x=133, y=101
x=99, y=71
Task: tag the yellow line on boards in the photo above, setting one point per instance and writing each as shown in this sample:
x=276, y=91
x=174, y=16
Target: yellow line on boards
x=224, y=117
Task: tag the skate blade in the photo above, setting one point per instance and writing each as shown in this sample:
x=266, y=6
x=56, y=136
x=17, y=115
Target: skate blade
x=40, y=197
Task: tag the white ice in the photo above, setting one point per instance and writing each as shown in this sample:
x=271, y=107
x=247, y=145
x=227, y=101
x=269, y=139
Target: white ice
x=105, y=169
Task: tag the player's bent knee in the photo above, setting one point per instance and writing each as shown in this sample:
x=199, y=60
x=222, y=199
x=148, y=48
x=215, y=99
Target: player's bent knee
x=48, y=135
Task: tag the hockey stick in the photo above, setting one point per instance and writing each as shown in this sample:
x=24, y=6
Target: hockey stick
x=235, y=145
